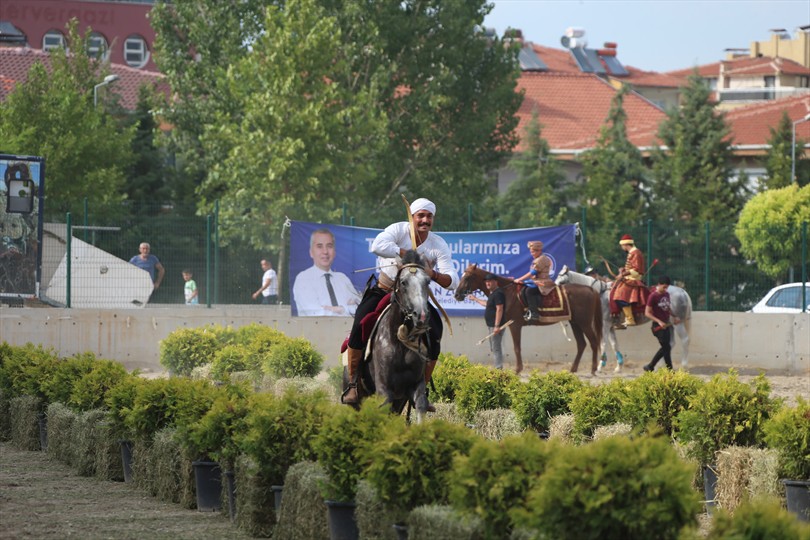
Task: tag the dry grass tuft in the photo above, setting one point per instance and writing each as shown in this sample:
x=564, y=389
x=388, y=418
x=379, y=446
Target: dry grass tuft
x=435, y=522
x=85, y=442
x=612, y=430
x=561, y=428
x=255, y=501
x=375, y=519
x=446, y=412
x=745, y=473
x=60, y=433
x=303, y=513
x=495, y=424
x=24, y=427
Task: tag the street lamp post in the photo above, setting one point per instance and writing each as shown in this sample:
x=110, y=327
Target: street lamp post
x=112, y=78
x=793, y=148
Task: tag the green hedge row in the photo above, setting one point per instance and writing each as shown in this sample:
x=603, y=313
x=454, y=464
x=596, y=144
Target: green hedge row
x=634, y=486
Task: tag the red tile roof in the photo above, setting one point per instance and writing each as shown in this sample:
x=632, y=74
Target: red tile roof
x=751, y=124
x=15, y=62
x=741, y=67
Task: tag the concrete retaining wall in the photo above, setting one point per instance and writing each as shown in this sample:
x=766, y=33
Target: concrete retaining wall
x=132, y=336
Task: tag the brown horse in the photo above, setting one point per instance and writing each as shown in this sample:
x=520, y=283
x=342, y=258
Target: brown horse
x=586, y=313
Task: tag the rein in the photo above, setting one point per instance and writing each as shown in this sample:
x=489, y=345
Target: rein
x=410, y=338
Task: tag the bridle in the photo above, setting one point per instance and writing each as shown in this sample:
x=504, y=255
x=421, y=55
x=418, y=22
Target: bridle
x=412, y=329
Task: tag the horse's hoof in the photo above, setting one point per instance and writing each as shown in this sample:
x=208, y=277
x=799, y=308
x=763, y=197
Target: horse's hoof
x=617, y=369
x=599, y=368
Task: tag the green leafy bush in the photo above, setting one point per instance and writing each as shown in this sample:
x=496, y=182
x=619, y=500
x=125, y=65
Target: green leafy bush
x=293, y=358
x=788, y=432
x=495, y=478
x=482, y=388
x=344, y=435
x=408, y=466
x=231, y=358
x=760, y=518
x=215, y=435
x=187, y=348
x=67, y=372
x=614, y=488
x=447, y=375
x=173, y=402
x=280, y=430
x=725, y=412
x=90, y=392
x=658, y=397
x=25, y=371
x=544, y=395
x=119, y=401
x=598, y=405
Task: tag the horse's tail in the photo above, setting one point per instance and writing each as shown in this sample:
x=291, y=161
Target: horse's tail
x=597, y=319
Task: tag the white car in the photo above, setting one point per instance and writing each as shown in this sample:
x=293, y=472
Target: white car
x=785, y=298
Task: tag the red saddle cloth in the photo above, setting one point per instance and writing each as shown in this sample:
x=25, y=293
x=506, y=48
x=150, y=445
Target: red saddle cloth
x=368, y=322
x=554, y=306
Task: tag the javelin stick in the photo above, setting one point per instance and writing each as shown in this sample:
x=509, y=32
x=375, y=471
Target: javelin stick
x=510, y=321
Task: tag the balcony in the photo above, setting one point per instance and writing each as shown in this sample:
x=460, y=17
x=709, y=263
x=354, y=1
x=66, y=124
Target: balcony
x=759, y=94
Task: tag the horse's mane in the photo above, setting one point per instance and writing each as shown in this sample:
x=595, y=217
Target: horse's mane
x=413, y=257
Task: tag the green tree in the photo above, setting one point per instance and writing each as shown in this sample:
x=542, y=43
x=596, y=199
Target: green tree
x=537, y=196
x=52, y=115
x=614, y=176
x=426, y=105
x=769, y=228
x=692, y=178
x=779, y=160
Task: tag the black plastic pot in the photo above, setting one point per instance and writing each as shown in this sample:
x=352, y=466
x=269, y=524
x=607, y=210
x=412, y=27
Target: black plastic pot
x=208, y=481
x=709, y=484
x=340, y=517
x=231, y=484
x=126, y=459
x=797, y=497
x=277, y=497
x=401, y=531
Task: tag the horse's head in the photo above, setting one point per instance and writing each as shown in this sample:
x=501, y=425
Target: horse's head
x=471, y=280
x=563, y=276
x=411, y=291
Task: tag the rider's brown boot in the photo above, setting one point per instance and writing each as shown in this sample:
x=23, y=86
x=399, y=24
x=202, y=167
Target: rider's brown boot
x=428, y=373
x=350, y=396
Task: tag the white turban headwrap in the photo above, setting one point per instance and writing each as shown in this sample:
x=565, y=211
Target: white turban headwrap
x=423, y=204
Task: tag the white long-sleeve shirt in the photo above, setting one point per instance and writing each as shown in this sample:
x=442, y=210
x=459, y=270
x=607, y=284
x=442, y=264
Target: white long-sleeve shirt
x=397, y=236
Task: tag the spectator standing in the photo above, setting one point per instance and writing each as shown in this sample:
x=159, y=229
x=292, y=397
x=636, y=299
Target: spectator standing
x=146, y=261
x=190, y=289
x=658, y=310
x=493, y=316
x=269, y=288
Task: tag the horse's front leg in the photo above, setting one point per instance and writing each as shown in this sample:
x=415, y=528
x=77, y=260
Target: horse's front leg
x=515, y=329
x=683, y=336
x=420, y=401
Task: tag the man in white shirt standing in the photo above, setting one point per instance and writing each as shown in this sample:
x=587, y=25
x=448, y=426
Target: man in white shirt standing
x=269, y=288
x=319, y=290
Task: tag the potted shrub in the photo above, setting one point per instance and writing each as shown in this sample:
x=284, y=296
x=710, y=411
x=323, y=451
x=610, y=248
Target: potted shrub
x=449, y=372
x=788, y=432
x=598, y=405
x=187, y=348
x=292, y=357
x=543, y=396
x=657, y=397
x=338, y=446
x=724, y=412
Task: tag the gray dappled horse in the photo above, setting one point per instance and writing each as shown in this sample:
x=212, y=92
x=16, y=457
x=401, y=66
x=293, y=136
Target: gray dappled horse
x=681, y=307
x=398, y=345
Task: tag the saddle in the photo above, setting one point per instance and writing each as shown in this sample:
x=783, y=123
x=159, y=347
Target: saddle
x=368, y=322
x=554, y=306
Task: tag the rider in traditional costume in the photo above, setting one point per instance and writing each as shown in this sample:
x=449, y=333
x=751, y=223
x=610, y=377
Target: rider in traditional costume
x=537, y=279
x=391, y=243
x=629, y=289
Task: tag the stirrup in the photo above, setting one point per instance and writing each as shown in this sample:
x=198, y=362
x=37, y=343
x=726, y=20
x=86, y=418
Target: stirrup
x=356, y=397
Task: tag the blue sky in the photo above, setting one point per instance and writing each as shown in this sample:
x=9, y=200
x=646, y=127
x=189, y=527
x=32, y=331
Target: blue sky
x=654, y=35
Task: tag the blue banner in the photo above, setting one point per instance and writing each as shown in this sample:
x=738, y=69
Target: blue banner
x=343, y=251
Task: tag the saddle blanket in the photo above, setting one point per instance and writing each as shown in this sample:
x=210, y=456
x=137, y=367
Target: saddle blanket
x=555, y=306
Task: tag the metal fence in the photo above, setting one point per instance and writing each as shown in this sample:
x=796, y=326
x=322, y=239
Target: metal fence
x=703, y=258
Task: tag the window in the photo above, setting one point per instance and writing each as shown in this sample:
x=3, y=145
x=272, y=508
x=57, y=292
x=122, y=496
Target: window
x=53, y=39
x=789, y=298
x=136, y=52
x=97, y=47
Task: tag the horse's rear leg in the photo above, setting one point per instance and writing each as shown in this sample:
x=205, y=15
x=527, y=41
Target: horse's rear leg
x=683, y=335
x=580, y=339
